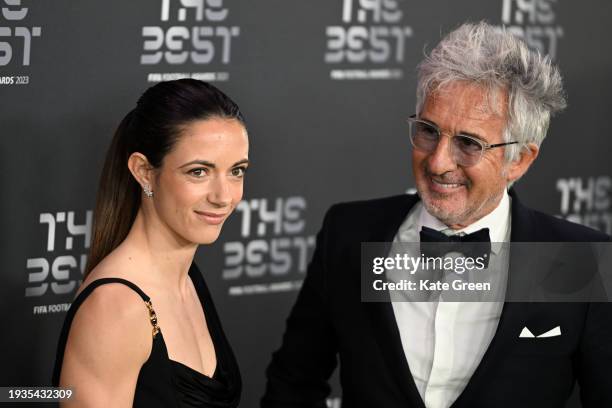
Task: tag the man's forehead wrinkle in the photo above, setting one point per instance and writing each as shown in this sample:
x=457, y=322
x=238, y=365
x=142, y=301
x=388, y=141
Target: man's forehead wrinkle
x=479, y=111
x=482, y=107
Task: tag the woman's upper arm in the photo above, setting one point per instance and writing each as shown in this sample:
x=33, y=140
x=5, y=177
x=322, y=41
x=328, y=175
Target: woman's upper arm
x=110, y=339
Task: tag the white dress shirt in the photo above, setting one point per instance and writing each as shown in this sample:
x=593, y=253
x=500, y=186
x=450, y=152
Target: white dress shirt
x=444, y=342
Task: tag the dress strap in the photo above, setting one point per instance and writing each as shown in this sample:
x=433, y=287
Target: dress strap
x=147, y=300
x=74, y=307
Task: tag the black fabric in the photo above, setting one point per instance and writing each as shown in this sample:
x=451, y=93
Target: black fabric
x=166, y=383
x=436, y=244
x=329, y=323
x=431, y=235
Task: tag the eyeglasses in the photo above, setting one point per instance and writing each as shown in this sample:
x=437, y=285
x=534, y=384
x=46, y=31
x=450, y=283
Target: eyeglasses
x=465, y=150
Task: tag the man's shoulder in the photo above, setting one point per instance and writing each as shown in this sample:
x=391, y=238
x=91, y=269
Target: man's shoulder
x=368, y=219
x=557, y=229
x=398, y=201
x=348, y=224
x=376, y=209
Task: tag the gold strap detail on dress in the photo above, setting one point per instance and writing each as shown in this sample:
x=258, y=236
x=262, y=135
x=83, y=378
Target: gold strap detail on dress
x=153, y=317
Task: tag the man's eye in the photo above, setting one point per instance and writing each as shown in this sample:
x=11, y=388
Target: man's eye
x=468, y=143
x=428, y=131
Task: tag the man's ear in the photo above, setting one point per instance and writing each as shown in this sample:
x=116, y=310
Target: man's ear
x=517, y=168
x=141, y=169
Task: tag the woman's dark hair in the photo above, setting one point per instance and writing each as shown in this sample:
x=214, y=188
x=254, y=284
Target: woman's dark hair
x=151, y=128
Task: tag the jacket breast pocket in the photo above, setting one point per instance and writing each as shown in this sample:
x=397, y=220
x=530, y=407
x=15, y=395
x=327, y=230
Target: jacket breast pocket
x=558, y=345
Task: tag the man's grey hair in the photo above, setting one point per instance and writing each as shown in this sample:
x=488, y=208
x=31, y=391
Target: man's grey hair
x=494, y=58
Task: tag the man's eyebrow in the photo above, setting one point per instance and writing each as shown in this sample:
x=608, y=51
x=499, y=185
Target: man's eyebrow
x=461, y=132
x=431, y=122
x=211, y=164
x=474, y=135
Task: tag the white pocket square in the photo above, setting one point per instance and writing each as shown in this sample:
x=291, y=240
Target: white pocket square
x=526, y=333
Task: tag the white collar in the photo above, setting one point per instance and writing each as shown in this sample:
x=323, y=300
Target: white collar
x=497, y=221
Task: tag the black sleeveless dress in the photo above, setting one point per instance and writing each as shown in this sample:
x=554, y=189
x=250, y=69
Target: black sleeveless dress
x=167, y=383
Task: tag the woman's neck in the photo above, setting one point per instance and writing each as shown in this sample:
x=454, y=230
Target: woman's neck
x=167, y=256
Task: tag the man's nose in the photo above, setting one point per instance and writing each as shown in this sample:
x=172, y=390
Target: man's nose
x=441, y=159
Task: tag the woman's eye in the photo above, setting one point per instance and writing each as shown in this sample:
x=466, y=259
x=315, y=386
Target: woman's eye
x=238, y=171
x=199, y=172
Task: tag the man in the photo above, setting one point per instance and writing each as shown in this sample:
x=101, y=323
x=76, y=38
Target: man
x=484, y=103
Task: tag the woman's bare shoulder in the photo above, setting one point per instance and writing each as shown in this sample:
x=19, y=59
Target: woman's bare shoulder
x=110, y=339
x=113, y=314
x=113, y=317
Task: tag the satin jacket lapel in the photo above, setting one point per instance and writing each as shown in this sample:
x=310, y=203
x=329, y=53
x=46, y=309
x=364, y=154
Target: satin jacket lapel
x=513, y=314
x=381, y=314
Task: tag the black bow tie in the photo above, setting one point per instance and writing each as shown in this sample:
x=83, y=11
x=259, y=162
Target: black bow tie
x=431, y=235
x=476, y=244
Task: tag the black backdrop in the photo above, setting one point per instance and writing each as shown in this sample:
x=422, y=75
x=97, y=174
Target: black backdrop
x=326, y=87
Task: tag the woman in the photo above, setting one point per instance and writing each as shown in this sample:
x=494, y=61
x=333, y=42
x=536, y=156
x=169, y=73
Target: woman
x=142, y=330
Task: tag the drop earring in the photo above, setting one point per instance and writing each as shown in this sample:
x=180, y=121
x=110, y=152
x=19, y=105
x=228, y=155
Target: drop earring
x=147, y=191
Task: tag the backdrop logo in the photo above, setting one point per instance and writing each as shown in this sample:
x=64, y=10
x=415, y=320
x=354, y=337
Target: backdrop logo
x=190, y=31
x=335, y=402
x=371, y=41
x=273, y=253
x=534, y=22
x=16, y=44
x=587, y=201
x=59, y=270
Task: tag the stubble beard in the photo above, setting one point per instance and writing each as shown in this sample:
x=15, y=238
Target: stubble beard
x=463, y=216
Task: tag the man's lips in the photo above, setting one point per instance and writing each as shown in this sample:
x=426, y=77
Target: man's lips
x=445, y=185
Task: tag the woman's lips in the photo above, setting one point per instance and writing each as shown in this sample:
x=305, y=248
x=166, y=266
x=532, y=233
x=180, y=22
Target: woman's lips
x=211, y=217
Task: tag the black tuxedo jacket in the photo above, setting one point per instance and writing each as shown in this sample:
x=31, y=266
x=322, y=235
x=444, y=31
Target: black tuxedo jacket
x=330, y=323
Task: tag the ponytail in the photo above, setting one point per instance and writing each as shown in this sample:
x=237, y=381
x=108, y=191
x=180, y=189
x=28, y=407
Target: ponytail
x=118, y=198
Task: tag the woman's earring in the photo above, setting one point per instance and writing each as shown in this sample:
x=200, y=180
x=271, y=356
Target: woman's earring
x=147, y=191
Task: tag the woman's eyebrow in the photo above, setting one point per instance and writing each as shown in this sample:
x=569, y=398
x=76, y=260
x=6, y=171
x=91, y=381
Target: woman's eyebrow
x=211, y=164
x=243, y=161
x=200, y=162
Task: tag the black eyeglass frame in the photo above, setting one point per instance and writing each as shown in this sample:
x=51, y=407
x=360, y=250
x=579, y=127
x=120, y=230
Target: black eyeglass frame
x=413, y=119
